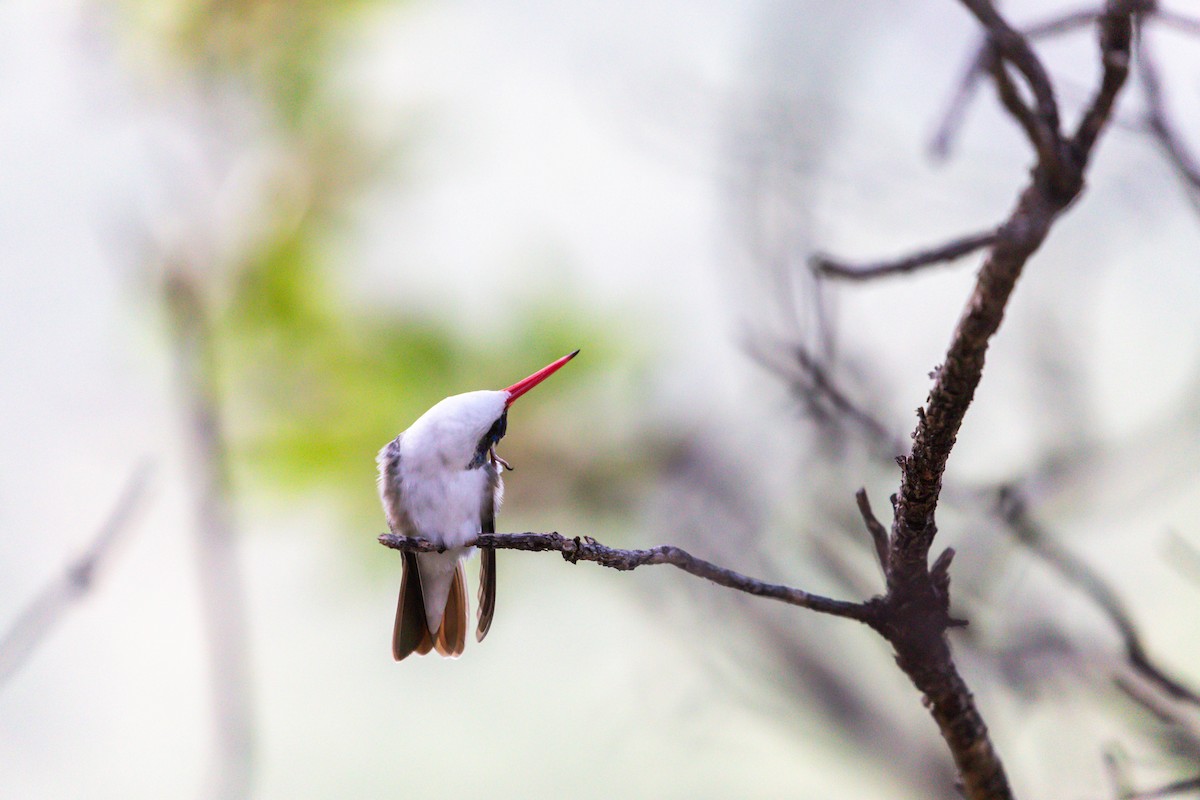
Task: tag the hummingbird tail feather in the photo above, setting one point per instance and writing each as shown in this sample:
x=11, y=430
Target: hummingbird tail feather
x=487, y=591
x=452, y=635
x=410, y=634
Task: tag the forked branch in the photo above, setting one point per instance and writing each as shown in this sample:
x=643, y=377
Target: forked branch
x=917, y=599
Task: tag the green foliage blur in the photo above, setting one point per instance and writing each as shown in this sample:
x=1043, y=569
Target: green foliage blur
x=312, y=383
x=326, y=385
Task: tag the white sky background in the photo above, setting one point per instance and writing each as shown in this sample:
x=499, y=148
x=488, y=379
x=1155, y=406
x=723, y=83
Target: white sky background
x=591, y=139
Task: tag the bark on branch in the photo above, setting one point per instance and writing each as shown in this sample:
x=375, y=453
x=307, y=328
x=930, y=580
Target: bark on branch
x=585, y=548
x=916, y=606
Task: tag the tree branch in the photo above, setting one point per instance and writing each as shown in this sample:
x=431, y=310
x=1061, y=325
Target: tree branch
x=1011, y=46
x=1170, y=790
x=587, y=549
x=222, y=592
x=958, y=377
x=1013, y=509
x=917, y=600
x=982, y=59
x=48, y=607
x=1179, y=22
x=956, y=108
x=828, y=266
x=1159, y=123
x=1116, y=41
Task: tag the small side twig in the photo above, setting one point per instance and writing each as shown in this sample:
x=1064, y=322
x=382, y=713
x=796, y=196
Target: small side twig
x=828, y=266
x=1159, y=125
x=811, y=382
x=879, y=533
x=48, y=607
x=952, y=118
x=587, y=549
x=1042, y=123
x=1010, y=97
x=1179, y=22
x=1116, y=46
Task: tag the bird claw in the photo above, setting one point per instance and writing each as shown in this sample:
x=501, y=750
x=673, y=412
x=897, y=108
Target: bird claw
x=498, y=460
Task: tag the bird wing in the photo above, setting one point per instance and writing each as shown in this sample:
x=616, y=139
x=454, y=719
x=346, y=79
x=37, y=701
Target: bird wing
x=390, y=489
x=410, y=634
x=487, y=555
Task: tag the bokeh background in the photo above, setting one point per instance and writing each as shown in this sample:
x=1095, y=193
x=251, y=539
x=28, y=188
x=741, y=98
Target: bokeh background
x=246, y=243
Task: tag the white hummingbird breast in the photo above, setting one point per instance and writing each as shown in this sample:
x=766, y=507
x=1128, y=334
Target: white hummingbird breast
x=444, y=506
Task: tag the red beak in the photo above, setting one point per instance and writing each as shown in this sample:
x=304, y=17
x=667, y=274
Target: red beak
x=522, y=386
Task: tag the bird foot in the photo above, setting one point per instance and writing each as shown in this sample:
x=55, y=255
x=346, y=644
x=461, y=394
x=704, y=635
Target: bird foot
x=498, y=460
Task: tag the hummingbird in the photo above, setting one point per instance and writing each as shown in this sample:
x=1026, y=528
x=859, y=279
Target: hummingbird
x=440, y=480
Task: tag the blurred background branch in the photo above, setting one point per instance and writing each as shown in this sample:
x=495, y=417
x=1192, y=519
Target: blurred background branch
x=218, y=568
x=80, y=578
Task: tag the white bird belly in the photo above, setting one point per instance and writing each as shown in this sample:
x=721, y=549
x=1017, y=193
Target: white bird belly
x=445, y=508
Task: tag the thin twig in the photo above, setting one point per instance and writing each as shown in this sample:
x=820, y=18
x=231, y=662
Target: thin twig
x=1116, y=42
x=811, y=381
x=1014, y=103
x=588, y=549
x=1179, y=22
x=956, y=107
x=1159, y=124
x=1170, y=790
x=828, y=266
x=965, y=89
x=879, y=534
x=46, y=610
x=1015, y=48
x=1012, y=508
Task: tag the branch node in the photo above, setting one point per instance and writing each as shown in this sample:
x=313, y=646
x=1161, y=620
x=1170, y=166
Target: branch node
x=570, y=551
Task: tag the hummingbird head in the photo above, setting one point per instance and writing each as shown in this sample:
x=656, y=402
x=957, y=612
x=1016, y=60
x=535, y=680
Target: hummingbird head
x=462, y=429
x=459, y=431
